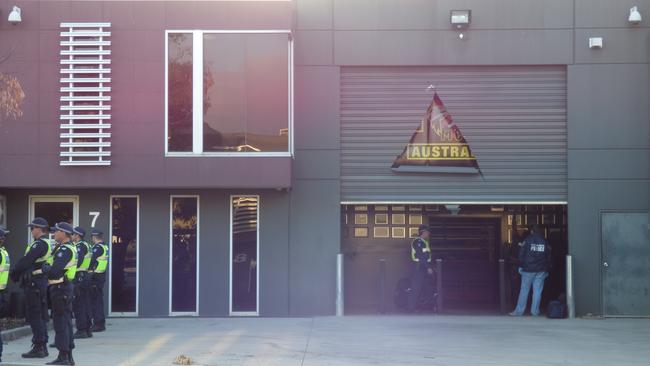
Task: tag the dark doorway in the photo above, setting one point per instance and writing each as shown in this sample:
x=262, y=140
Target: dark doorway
x=185, y=222
x=124, y=254
x=475, y=243
x=468, y=247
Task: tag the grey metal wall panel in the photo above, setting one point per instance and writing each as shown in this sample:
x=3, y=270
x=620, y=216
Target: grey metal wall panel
x=513, y=117
x=430, y=14
x=443, y=47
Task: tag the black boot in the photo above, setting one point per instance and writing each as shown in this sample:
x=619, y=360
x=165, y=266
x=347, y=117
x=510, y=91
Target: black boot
x=37, y=351
x=81, y=334
x=98, y=328
x=90, y=333
x=62, y=359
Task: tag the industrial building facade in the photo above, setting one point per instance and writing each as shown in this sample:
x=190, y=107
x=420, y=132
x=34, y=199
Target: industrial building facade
x=231, y=149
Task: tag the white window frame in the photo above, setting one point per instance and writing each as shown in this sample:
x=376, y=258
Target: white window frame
x=33, y=199
x=198, y=253
x=197, y=95
x=230, y=224
x=137, y=260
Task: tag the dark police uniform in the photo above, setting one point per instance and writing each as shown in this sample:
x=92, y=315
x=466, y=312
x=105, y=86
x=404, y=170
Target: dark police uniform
x=29, y=272
x=60, y=277
x=97, y=270
x=81, y=303
x=421, y=256
x=5, y=263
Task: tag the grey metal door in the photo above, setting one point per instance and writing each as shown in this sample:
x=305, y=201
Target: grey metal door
x=626, y=264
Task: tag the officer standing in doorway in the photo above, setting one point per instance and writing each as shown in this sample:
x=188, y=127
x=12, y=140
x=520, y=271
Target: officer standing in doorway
x=97, y=269
x=60, y=277
x=421, y=257
x=81, y=304
x=5, y=263
x=29, y=272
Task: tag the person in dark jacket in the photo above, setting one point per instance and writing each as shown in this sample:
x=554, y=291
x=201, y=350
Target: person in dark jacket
x=535, y=262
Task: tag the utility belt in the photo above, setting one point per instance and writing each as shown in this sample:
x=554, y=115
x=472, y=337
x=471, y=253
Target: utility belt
x=56, y=282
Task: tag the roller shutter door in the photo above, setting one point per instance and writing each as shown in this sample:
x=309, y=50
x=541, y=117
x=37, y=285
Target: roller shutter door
x=514, y=119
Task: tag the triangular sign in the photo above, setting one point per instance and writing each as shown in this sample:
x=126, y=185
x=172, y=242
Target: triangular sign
x=437, y=146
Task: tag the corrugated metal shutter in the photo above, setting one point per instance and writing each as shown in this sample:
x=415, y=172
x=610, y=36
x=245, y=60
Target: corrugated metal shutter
x=514, y=119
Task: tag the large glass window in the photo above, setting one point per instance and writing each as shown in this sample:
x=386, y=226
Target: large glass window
x=244, y=254
x=124, y=254
x=179, y=92
x=235, y=87
x=184, y=248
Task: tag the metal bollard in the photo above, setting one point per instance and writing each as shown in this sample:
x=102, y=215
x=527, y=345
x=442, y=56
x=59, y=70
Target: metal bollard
x=439, y=283
x=502, y=285
x=339, y=284
x=570, y=300
x=382, y=286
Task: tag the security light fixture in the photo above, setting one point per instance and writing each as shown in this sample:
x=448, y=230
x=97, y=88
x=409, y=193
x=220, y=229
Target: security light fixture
x=635, y=17
x=14, y=16
x=460, y=19
x=596, y=42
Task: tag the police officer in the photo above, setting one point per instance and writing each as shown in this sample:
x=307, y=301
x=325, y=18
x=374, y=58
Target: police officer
x=421, y=257
x=97, y=269
x=29, y=272
x=60, y=278
x=81, y=303
x=5, y=263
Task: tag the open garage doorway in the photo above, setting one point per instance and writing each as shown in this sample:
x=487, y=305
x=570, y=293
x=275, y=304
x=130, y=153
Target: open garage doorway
x=476, y=247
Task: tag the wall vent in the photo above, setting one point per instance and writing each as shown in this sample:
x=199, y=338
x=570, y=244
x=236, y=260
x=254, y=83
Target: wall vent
x=85, y=94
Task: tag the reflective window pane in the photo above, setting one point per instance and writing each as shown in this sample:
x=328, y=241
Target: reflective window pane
x=246, y=93
x=179, y=79
x=55, y=212
x=184, y=241
x=124, y=254
x=244, y=253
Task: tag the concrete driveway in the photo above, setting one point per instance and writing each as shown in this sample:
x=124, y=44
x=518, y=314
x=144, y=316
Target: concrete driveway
x=361, y=340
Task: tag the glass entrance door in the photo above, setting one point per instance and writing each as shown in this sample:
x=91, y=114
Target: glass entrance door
x=124, y=256
x=244, y=255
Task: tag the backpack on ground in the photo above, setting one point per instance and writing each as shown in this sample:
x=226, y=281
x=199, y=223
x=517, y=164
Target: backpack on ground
x=556, y=310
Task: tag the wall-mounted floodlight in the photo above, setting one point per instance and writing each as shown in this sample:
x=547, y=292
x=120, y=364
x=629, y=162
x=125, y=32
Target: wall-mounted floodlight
x=14, y=16
x=460, y=19
x=596, y=42
x=635, y=17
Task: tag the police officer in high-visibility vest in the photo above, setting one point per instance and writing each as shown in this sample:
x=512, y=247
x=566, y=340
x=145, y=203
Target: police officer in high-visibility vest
x=421, y=257
x=5, y=263
x=81, y=304
x=29, y=272
x=60, y=277
x=97, y=269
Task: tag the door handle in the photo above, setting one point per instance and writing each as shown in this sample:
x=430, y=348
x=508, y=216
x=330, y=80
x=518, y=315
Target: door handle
x=605, y=264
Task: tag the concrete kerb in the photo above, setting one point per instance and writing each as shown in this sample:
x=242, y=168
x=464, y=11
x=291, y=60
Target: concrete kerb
x=15, y=333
